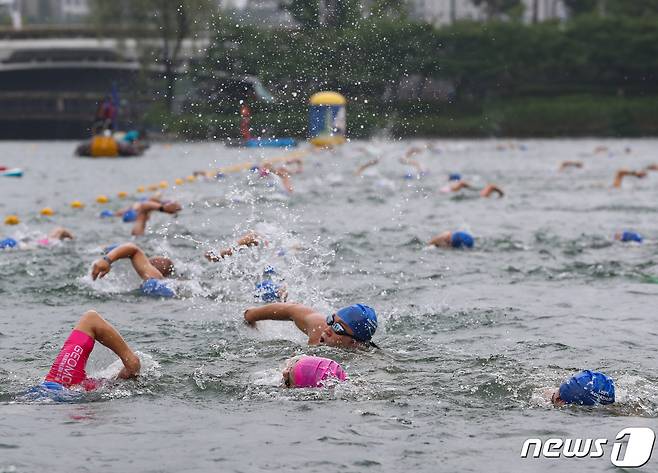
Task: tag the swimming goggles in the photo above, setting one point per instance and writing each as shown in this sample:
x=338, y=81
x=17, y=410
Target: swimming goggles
x=337, y=327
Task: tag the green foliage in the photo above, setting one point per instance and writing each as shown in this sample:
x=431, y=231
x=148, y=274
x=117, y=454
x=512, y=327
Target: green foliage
x=632, y=8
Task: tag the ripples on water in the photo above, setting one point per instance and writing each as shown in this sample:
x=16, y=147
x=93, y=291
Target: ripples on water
x=465, y=335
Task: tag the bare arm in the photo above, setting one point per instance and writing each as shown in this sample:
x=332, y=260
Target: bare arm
x=144, y=211
x=362, y=168
x=442, y=239
x=306, y=319
x=248, y=239
x=490, y=189
x=99, y=329
x=140, y=262
x=61, y=233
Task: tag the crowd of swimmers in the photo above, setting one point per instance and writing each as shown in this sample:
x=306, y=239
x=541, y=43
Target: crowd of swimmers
x=351, y=327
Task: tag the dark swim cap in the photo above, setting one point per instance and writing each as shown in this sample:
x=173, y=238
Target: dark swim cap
x=460, y=239
x=130, y=215
x=588, y=388
x=8, y=243
x=455, y=176
x=631, y=236
x=361, y=319
x=156, y=288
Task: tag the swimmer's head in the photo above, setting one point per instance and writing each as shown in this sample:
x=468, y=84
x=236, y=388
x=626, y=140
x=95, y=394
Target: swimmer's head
x=455, y=176
x=311, y=372
x=461, y=240
x=350, y=326
x=130, y=215
x=8, y=243
x=629, y=236
x=107, y=213
x=164, y=265
x=587, y=388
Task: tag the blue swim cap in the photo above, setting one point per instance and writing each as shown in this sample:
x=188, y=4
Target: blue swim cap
x=631, y=236
x=8, y=243
x=107, y=213
x=267, y=290
x=109, y=248
x=361, y=319
x=269, y=270
x=460, y=239
x=409, y=176
x=455, y=176
x=588, y=388
x=130, y=215
x=156, y=288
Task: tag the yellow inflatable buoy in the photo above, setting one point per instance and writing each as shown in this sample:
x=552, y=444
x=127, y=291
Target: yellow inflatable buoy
x=12, y=220
x=104, y=146
x=163, y=184
x=140, y=189
x=122, y=195
x=47, y=212
x=179, y=181
x=191, y=178
x=76, y=204
x=102, y=199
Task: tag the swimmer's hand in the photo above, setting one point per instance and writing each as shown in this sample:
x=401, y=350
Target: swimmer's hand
x=249, y=319
x=171, y=207
x=212, y=256
x=100, y=269
x=131, y=367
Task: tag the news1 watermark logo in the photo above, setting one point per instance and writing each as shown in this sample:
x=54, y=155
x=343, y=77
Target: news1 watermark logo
x=638, y=443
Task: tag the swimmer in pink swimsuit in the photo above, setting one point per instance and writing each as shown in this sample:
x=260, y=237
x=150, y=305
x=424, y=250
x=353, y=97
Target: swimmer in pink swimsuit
x=69, y=366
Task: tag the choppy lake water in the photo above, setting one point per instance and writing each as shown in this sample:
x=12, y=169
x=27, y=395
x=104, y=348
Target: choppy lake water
x=469, y=339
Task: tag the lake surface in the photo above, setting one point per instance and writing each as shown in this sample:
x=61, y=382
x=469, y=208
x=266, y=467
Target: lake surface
x=469, y=340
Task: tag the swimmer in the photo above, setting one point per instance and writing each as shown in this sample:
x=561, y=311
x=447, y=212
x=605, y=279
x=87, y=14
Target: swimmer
x=628, y=236
x=68, y=370
x=151, y=270
x=586, y=388
x=350, y=327
x=247, y=240
x=651, y=167
x=57, y=234
x=143, y=211
x=452, y=240
x=268, y=169
x=626, y=172
x=570, y=164
x=311, y=372
x=485, y=192
x=271, y=288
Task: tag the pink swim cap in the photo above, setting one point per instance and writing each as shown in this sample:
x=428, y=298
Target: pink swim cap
x=311, y=371
x=44, y=241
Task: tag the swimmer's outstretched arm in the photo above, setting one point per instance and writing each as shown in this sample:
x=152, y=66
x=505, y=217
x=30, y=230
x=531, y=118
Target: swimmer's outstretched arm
x=61, y=233
x=362, y=168
x=457, y=186
x=99, y=329
x=652, y=167
x=141, y=263
x=306, y=318
x=490, y=189
x=572, y=164
x=442, y=239
x=626, y=172
x=144, y=210
x=246, y=240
